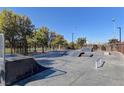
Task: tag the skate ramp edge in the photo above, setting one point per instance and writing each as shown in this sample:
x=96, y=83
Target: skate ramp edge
x=18, y=68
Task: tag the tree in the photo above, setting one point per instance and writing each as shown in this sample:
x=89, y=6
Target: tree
x=58, y=41
x=81, y=41
x=42, y=37
x=113, y=41
x=34, y=39
x=25, y=29
x=95, y=47
x=72, y=45
x=103, y=48
x=16, y=28
x=8, y=26
x=52, y=36
x=30, y=42
x=65, y=44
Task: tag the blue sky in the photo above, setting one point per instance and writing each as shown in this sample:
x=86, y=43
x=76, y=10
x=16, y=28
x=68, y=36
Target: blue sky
x=93, y=23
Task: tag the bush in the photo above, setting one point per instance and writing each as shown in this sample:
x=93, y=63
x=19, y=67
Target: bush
x=103, y=48
x=95, y=47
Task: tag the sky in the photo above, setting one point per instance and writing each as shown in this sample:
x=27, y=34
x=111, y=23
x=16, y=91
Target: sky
x=93, y=23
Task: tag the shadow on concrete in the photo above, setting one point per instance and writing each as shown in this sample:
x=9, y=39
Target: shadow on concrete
x=49, y=73
x=102, y=64
x=44, y=62
x=50, y=54
x=20, y=68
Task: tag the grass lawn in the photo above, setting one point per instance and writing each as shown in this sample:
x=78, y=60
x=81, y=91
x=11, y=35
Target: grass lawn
x=8, y=50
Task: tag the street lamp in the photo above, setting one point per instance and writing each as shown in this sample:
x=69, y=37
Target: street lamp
x=114, y=26
x=72, y=37
x=72, y=40
x=119, y=33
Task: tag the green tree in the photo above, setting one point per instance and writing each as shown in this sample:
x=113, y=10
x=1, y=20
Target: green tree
x=52, y=36
x=25, y=29
x=34, y=39
x=95, y=47
x=30, y=42
x=42, y=37
x=16, y=28
x=81, y=41
x=57, y=42
x=8, y=26
x=113, y=41
x=103, y=48
x=65, y=44
x=72, y=45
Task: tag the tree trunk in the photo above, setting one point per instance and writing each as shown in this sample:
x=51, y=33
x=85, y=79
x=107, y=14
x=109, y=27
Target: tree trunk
x=59, y=47
x=53, y=48
x=25, y=47
x=20, y=48
x=11, y=48
x=42, y=49
x=14, y=47
x=35, y=47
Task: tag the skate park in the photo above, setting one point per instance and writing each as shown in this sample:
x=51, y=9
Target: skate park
x=36, y=55
x=67, y=68
x=79, y=71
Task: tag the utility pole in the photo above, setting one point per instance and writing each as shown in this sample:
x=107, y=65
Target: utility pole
x=72, y=40
x=114, y=26
x=119, y=33
x=72, y=37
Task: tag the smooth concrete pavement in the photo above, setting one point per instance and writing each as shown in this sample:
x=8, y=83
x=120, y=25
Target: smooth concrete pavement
x=79, y=71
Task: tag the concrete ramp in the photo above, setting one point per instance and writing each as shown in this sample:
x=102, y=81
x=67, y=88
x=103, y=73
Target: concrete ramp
x=18, y=68
x=50, y=54
x=75, y=53
x=86, y=49
x=87, y=54
x=79, y=53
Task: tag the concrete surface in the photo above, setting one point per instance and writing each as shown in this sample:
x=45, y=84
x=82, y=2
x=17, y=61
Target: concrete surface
x=18, y=68
x=79, y=71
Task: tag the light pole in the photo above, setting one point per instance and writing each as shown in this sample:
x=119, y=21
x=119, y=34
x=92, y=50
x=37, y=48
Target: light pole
x=119, y=33
x=72, y=37
x=114, y=26
x=72, y=40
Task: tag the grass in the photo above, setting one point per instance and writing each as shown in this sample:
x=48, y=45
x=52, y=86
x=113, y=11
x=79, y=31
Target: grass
x=8, y=50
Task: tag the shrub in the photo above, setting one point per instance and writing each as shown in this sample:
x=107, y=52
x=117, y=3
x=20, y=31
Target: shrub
x=95, y=47
x=103, y=48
